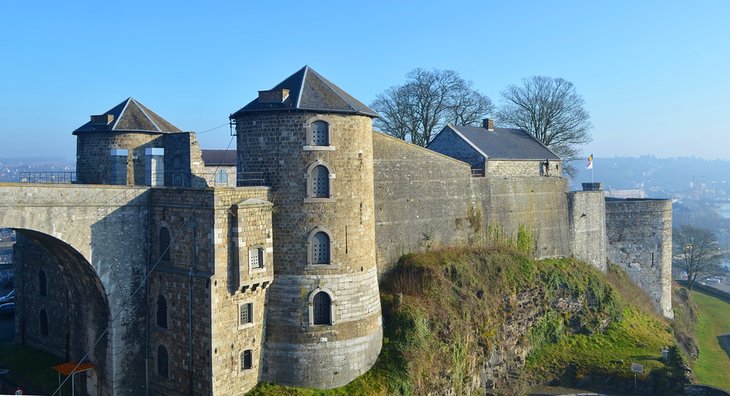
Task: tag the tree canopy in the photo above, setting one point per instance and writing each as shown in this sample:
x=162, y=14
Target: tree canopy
x=551, y=110
x=428, y=100
x=696, y=252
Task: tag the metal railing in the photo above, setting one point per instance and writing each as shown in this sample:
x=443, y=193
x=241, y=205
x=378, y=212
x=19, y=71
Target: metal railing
x=48, y=177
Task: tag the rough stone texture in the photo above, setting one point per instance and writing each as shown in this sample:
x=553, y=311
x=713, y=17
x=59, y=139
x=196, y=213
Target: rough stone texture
x=80, y=226
x=536, y=203
x=274, y=143
x=507, y=168
x=210, y=172
x=640, y=240
x=94, y=161
x=422, y=199
x=587, y=222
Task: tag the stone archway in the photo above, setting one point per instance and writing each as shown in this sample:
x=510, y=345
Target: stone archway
x=61, y=305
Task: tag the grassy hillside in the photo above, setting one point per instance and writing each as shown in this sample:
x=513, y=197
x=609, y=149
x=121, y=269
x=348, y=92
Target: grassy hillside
x=462, y=320
x=713, y=318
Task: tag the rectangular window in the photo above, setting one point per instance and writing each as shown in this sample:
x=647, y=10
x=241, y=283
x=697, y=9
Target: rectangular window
x=246, y=315
x=247, y=360
x=256, y=257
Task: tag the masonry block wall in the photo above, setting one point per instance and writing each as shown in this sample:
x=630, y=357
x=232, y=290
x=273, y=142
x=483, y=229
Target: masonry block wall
x=423, y=199
x=640, y=240
x=514, y=168
x=94, y=160
x=244, y=272
x=587, y=223
x=180, y=340
x=536, y=203
x=300, y=351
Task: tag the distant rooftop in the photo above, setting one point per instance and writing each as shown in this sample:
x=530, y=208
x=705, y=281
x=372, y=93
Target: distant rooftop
x=128, y=116
x=219, y=157
x=505, y=143
x=307, y=90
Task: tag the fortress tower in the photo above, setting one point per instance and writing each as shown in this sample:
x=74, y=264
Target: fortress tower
x=312, y=142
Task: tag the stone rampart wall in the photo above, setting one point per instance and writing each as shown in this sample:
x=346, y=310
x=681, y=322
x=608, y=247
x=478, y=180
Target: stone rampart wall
x=515, y=168
x=587, y=223
x=640, y=240
x=422, y=199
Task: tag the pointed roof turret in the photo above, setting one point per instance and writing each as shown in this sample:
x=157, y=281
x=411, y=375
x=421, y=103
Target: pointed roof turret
x=307, y=90
x=128, y=116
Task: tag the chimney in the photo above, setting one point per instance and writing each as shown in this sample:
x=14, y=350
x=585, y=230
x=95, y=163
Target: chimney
x=102, y=119
x=273, y=96
x=488, y=124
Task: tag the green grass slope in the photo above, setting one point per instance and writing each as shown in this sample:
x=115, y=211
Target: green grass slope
x=459, y=320
x=712, y=367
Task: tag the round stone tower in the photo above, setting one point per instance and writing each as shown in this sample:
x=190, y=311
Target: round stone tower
x=311, y=143
x=122, y=146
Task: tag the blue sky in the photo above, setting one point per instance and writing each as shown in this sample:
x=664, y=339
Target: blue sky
x=655, y=75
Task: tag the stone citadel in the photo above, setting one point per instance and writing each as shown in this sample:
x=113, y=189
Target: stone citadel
x=168, y=283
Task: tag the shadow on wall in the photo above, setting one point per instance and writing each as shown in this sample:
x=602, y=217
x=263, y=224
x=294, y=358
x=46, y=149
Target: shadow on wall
x=66, y=315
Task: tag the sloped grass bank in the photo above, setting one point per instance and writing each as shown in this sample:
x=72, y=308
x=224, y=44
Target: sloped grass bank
x=712, y=366
x=465, y=320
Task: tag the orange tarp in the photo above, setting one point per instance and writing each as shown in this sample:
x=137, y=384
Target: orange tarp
x=68, y=367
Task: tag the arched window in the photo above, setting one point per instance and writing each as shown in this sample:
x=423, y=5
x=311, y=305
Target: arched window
x=164, y=247
x=44, y=322
x=42, y=287
x=320, y=179
x=320, y=248
x=161, y=312
x=162, y=360
x=221, y=177
x=322, y=309
x=320, y=134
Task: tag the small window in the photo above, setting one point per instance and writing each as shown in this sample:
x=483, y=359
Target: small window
x=161, y=312
x=247, y=359
x=246, y=314
x=44, y=322
x=322, y=308
x=164, y=252
x=320, y=182
x=320, y=248
x=256, y=257
x=42, y=287
x=221, y=177
x=162, y=362
x=320, y=134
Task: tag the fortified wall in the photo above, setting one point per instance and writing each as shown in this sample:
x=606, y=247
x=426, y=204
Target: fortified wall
x=640, y=240
x=425, y=199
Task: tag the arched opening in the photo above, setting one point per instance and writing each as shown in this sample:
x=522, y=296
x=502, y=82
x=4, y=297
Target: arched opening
x=320, y=182
x=161, y=312
x=42, y=283
x=322, y=309
x=164, y=244
x=61, y=306
x=221, y=177
x=320, y=248
x=43, y=318
x=320, y=135
x=162, y=362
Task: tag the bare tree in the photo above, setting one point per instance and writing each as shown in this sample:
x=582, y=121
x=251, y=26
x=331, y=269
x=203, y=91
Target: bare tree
x=552, y=111
x=696, y=252
x=428, y=100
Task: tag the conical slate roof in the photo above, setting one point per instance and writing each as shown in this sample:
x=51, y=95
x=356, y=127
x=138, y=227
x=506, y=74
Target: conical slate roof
x=308, y=91
x=128, y=116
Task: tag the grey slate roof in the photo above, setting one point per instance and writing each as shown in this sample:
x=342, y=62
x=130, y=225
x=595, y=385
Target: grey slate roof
x=309, y=91
x=219, y=157
x=129, y=116
x=505, y=143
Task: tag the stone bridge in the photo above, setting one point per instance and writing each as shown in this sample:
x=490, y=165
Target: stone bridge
x=98, y=237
